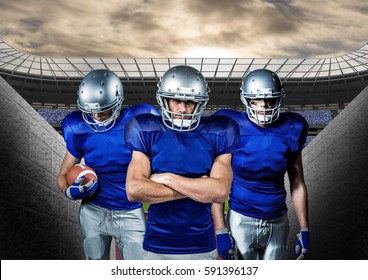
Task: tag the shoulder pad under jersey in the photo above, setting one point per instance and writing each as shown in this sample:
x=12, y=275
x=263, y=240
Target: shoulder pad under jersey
x=144, y=109
x=227, y=112
x=74, y=123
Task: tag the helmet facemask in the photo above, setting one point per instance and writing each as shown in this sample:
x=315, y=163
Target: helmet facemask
x=187, y=84
x=185, y=122
x=264, y=116
x=100, y=91
x=101, y=126
x=265, y=85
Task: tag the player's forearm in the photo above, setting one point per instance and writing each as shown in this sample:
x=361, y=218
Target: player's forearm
x=300, y=204
x=145, y=190
x=205, y=189
x=139, y=186
x=61, y=182
x=218, y=215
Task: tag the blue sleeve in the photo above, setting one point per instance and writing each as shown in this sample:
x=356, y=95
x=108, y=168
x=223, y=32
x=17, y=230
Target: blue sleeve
x=231, y=137
x=227, y=131
x=301, y=126
x=303, y=135
x=233, y=131
x=134, y=137
x=70, y=138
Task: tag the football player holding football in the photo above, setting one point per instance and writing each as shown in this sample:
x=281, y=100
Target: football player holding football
x=270, y=145
x=95, y=133
x=181, y=164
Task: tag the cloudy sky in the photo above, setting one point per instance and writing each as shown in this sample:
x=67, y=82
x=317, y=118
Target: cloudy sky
x=185, y=28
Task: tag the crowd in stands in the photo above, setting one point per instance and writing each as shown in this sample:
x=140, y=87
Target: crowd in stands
x=309, y=139
x=318, y=117
x=54, y=116
x=322, y=117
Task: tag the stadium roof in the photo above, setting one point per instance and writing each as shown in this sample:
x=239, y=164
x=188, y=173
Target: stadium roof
x=309, y=82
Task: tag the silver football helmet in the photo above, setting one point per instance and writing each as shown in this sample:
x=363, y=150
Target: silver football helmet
x=263, y=84
x=184, y=83
x=100, y=90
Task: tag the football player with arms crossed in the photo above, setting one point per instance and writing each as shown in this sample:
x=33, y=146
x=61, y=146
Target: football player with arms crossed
x=181, y=164
x=96, y=133
x=270, y=145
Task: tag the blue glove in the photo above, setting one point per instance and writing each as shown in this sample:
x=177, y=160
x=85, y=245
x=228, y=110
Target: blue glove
x=224, y=244
x=302, y=243
x=79, y=191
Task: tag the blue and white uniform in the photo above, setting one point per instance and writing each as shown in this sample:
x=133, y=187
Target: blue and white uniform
x=107, y=154
x=182, y=226
x=259, y=165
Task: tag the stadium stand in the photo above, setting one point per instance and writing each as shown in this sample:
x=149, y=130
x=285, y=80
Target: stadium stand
x=54, y=116
x=315, y=118
x=322, y=117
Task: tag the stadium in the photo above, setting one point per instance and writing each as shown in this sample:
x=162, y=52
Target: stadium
x=37, y=92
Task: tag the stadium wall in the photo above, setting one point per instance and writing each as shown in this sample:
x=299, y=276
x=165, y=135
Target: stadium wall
x=335, y=169
x=38, y=222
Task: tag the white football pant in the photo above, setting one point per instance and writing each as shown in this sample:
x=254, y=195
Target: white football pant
x=99, y=225
x=257, y=239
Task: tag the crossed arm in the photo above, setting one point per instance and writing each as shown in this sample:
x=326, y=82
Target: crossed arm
x=143, y=186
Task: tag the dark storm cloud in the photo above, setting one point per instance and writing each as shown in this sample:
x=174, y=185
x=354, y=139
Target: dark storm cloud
x=281, y=18
x=31, y=24
x=30, y=45
x=137, y=19
x=270, y=16
x=161, y=28
x=4, y=5
x=148, y=30
x=301, y=51
x=244, y=25
x=359, y=7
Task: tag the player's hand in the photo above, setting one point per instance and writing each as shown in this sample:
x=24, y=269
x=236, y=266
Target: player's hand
x=79, y=191
x=224, y=244
x=302, y=244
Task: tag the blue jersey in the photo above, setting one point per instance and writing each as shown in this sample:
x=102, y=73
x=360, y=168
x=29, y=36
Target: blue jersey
x=106, y=153
x=182, y=226
x=260, y=163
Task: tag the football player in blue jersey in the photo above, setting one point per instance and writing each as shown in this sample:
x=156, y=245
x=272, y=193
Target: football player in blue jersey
x=270, y=145
x=181, y=164
x=95, y=133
